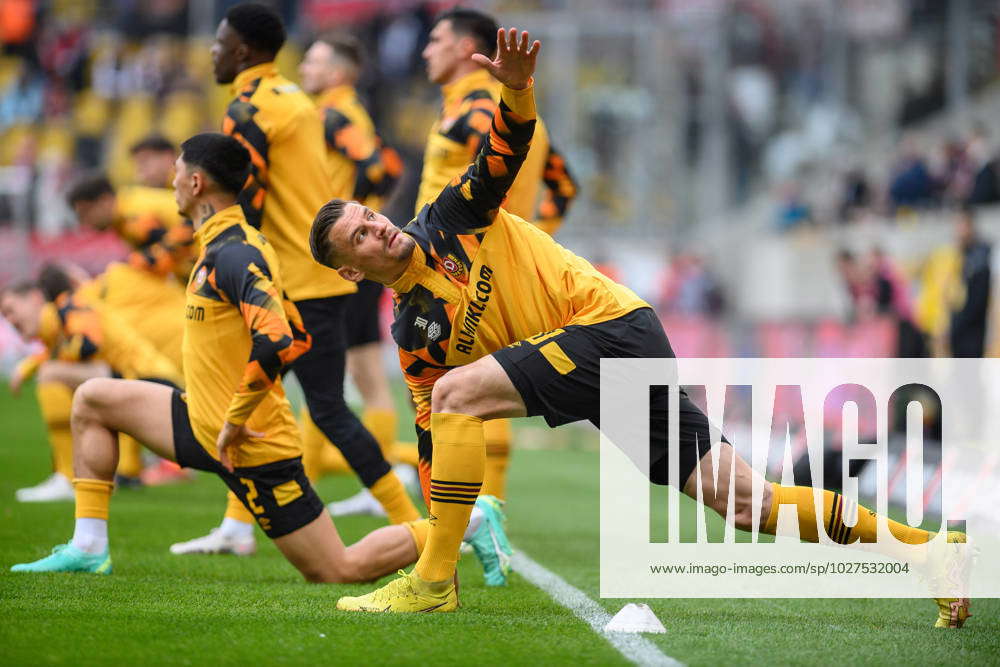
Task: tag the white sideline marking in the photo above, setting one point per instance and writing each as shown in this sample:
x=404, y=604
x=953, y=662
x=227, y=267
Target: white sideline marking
x=635, y=648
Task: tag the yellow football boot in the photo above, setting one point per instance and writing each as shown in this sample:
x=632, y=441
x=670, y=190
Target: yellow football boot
x=952, y=612
x=405, y=595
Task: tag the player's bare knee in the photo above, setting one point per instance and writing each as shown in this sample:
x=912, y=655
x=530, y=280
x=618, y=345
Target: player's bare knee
x=451, y=393
x=87, y=400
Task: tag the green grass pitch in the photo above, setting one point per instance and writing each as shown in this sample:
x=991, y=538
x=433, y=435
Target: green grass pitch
x=164, y=609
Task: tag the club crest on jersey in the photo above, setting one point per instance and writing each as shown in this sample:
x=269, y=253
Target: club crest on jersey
x=454, y=267
x=199, y=278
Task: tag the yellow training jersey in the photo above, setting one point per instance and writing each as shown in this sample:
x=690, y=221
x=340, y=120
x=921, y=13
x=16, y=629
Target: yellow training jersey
x=160, y=238
x=481, y=278
x=290, y=178
x=150, y=305
x=364, y=169
x=238, y=334
x=458, y=135
x=76, y=328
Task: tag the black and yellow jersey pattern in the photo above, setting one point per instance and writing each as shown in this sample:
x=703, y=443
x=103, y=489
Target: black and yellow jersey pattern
x=481, y=278
x=461, y=131
x=290, y=176
x=75, y=328
x=239, y=333
x=363, y=166
x=162, y=241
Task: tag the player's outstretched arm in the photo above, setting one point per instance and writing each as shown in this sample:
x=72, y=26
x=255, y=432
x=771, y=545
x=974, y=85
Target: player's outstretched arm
x=471, y=201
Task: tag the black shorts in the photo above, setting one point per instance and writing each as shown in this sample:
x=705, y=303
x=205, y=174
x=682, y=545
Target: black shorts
x=278, y=494
x=558, y=375
x=361, y=317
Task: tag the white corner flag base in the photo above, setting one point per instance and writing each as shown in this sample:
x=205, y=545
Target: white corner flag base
x=635, y=618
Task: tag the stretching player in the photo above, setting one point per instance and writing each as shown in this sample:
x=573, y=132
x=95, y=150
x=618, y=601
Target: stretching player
x=470, y=97
x=289, y=181
x=521, y=332
x=362, y=164
x=238, y=334
x=84, y=337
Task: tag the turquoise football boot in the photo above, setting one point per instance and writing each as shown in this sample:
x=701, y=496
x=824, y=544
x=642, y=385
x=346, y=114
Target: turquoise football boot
x=67, y=558
x=490, y=543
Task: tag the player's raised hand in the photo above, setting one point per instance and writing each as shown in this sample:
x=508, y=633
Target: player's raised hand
x=515, y=60
x=232, y=436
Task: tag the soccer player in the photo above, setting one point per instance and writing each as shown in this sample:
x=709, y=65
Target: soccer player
x=83, y=338
x=154, y=158
x=364, y=165
x=234, y=419
x=290, y=179
x=146, y=290
x=470, y=100
x=520, y=326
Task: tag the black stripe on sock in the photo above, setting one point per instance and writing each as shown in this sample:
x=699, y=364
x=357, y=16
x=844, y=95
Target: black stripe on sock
x=838, y=503
x=453, y=495
x=440, y=481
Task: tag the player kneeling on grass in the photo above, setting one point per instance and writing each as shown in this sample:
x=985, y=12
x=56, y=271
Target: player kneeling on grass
x=494, y=319
x=239, y=333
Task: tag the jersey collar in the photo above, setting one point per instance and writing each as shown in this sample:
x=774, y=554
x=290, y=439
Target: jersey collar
x=418, y=273
x=336, y=96
x=252, y=73
x=478, y=80
x=224, y=219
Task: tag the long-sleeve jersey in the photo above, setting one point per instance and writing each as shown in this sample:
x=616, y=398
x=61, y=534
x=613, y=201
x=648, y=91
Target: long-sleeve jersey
x=238, y=335
x=77, y=328
x=162, y=241
x=481, y=278
x=459, y=134
x=290, y=176
x=363, y=166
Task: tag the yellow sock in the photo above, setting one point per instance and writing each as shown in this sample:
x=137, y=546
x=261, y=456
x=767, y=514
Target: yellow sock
x=405, y=452
x=382, y=425
x=55, y=400
x=93, y=497
x=237, y=510
x=498, y=437
x=391, y=493
x=418, y=530
x=129, y=456
x=457, y=467
x=835, y=508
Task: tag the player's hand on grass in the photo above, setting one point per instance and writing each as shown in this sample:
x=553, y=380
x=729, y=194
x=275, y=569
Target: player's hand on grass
x=515, y=60
x=230, y=437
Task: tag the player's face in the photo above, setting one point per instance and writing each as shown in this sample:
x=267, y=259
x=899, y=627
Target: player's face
x=443, y=53
x=22, y=311
x=368, y=242
x=227, y=53
x=154, y=169
x=315, y=68
x=183, y=187
x=98, y=214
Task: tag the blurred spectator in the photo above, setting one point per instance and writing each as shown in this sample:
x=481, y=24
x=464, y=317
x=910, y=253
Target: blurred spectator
x=690, y=288
x=22, y=100
x=967, y=333
x=793, y=211
x=985, y=188
x=856, y=197
x=911, y=184
x=892, y=298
